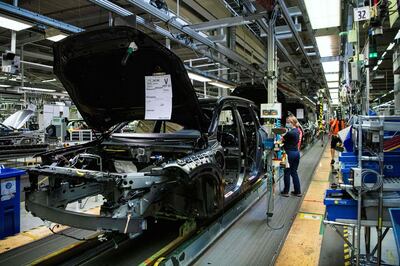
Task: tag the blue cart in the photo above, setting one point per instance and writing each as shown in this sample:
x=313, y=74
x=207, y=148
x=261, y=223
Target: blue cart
x=9, y=201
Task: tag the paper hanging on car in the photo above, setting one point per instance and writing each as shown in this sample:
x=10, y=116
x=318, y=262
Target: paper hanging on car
x=158, y=93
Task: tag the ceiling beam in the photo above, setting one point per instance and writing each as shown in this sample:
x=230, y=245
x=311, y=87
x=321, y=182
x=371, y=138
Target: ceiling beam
x=29, y=15
x=225, y=22
x=172, y=20
x=296, y=35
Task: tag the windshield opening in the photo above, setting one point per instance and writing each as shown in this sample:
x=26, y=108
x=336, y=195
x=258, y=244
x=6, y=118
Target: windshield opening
x=149, y=126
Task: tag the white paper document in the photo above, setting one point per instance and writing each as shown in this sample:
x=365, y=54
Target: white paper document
x=158, y=104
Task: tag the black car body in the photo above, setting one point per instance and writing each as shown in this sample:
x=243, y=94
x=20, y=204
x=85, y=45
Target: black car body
x=193, y=172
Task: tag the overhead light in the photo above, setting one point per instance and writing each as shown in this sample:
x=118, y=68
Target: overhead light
x=383, y=55
x=333, y=84
x=331, y=66
x=376, y=99
x=375, y=68
x=332, y=77
x=57, y=37
x=327, y=45
x=49, y=80
x=36, y=89
x=12, y=23
x=384, y=95
x=390, y=47
x=323, y=14
x=4, y=86
x=379, y=62
x=221, y=85
x=198, y=77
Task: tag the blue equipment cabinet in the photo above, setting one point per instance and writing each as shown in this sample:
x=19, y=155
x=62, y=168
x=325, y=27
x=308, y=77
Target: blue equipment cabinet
x=10, y=201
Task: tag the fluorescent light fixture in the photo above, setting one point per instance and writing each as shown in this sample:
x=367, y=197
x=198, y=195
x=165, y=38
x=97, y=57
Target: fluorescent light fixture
x=221, y=85
x=379, y=62
x=323, y=14
x=49, y=80
x=57, y=37
x=333, y=84
x=390, y=47
x=4, y=86
x=331, y=66
x=332, y=77
x=327, y=45
x=383, y=55
x=36, y=89
x=198, y=77
x=375, y=68
x=391, y=91
x=384, y=95
x=376, y=99
x=12, y=23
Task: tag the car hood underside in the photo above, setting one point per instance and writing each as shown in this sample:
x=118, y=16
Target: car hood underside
x=108, y=90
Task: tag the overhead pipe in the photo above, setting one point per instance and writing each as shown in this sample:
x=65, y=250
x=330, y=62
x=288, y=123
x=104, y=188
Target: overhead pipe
x=165, y=33
x=174, y=22
x=296, y=35
x=29, y=15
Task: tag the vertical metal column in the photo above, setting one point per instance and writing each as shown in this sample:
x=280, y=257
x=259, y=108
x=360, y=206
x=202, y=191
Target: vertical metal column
x=358, y=239
x=367, y=86
x=271, y=64
x=271, y=76
x=13, y=47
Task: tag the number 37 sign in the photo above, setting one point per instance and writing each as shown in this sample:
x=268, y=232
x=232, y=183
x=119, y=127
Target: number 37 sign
x=362, y=13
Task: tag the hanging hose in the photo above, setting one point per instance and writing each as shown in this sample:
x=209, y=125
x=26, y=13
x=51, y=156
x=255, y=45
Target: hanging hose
x=377, y=184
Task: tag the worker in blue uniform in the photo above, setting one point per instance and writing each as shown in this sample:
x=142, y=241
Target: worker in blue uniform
x=291, y=140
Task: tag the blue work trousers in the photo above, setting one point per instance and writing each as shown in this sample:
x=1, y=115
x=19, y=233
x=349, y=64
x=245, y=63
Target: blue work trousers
x=294, y=159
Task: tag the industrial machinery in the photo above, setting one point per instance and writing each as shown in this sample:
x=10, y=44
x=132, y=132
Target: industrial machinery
x=212, y=156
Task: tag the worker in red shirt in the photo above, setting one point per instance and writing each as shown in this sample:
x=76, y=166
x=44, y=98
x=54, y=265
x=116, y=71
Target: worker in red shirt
x=335, y=127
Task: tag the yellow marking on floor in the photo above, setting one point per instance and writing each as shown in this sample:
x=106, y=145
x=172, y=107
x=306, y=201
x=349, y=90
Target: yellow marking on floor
x=29, y=235
x=310, y=216
x=303, y=242
x=347, y=263
x=52, y=255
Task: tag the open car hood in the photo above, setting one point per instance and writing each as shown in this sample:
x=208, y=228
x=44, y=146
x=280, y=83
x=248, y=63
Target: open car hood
x=107, y=92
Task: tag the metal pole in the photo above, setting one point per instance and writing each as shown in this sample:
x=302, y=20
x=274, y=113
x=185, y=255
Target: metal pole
x=14, y=34
x=271, y=63
x=380, y=206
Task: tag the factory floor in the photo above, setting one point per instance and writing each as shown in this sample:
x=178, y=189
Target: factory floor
x=294, y=234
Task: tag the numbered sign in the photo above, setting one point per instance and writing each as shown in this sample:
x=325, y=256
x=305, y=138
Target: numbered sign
x=362, y=13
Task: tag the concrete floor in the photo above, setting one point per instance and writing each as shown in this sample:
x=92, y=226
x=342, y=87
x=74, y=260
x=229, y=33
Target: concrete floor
x=251, y=241
x=28, y=221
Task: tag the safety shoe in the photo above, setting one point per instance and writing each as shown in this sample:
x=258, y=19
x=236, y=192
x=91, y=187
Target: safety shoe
x=283, y=194
x=296, y=194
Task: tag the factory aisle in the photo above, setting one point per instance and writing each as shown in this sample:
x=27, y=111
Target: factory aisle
x=251, y=241
x=304, y=240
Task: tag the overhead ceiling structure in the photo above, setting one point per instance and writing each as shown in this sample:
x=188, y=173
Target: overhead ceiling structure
x=223, y=43
x=325, y=18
